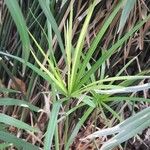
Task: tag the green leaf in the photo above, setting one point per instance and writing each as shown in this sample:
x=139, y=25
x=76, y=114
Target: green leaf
x=56, y=81
x=122, y=98
x=17, y=102
x=16, y=123
x=129, y=4
x=53, y=69
x=87, y=100
x=71, y=111
x=117, y=78
x=78, y=126
x=126, y=129
x=110, y=52
x=129, y=129
x=114, y=113
x=123, y=69
x=45, y=75
x=129, y=89
x=3, y=146
x=79, y=46
x=51, y=126
x=54, y=25
x=19, y=143
x=17, y=16
x=96, y=41
x=68, y=43
x=5, y=90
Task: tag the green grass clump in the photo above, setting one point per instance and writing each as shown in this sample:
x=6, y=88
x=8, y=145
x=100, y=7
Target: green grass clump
x=68, y=70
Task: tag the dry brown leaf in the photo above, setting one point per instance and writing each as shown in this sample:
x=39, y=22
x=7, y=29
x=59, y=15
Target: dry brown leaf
x=21, y=85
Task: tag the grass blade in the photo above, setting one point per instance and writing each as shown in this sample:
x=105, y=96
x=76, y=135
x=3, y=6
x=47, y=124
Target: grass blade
x=54, y=25
x=78, y=126
x=19, y=143
x=69, y=43
x=17, y=102
x=111, y=51
x=51, y=126
x=97, y=40
x=17, y=16
x=79, y=46
x=134, y=99
x=129, y=129
x=5, y=90
x=48, y=77
x=130, y=89
x=16, y=123
x=52, y=67
x=56, y=81
x=3, y=146
x=125, y=13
